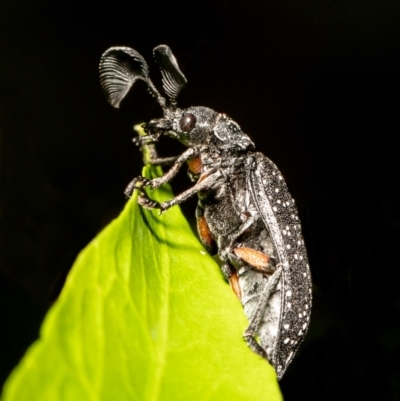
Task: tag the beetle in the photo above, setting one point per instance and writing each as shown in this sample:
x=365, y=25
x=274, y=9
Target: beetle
x=245, y=212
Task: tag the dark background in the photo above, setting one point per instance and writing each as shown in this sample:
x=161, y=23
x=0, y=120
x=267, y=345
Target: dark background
x=314, y=83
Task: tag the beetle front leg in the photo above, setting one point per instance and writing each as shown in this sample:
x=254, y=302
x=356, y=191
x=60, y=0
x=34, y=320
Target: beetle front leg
x=152, y=157
x=162, y=161
x=206, y=183
x=142, y=182
x=145, y=140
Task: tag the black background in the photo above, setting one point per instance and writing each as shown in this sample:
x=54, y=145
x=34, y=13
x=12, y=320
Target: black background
x=314, y=83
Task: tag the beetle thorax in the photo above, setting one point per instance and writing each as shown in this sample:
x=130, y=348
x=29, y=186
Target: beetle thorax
x=204, y=128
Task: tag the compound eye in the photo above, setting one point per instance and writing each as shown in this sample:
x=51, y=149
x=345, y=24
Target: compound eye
x=187, y=123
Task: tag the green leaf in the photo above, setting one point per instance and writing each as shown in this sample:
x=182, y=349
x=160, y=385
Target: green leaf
x=144, y=315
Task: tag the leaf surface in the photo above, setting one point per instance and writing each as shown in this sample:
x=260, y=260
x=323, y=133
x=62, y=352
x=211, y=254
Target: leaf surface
x=144, y=315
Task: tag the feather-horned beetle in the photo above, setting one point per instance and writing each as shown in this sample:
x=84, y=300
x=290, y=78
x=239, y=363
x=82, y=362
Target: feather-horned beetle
x=245, y=211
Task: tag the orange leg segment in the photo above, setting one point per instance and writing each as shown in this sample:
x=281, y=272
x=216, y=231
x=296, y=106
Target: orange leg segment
x=234, y=283
x=204, y=232
x=194, y=165
x=254, y=258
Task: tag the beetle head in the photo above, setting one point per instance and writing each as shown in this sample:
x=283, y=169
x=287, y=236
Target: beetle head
x=121, y=67
x=192, y=126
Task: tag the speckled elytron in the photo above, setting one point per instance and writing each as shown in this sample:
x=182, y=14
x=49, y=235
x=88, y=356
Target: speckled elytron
x=245, y=212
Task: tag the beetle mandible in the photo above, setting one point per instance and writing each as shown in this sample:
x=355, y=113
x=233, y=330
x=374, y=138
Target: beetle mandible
x=245, y=212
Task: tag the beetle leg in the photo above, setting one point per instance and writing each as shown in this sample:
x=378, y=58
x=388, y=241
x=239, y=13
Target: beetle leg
x=227, y=270
x=174, y=169
x=148, y=203
x=230, y=275
x=195, y=165
x=162, y=161
x=144, y=140
x=251, y=332
x=137, y=183
x=152, y=158
x=206, y=181
x=204, y=233
x=225, y=243
x=157, y=182
x=204, y=230
x=210, y=178
x=254, y=258
x=234, y=283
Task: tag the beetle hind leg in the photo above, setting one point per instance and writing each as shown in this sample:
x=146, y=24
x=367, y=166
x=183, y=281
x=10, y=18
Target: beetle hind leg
x=231, y=275
x=259, y=260
x=254, y=345
x=257, y=318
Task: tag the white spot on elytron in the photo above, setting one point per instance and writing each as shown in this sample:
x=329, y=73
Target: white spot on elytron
x=300, y=315
x=287, y=246
x=293, y=342
x=301, y=257
x=279, y=201
x=288, y=305
x=289, y=358
x=299, y=242
x=296, y=256
x=286, y=326
x=300, y=333
x=309, y=290
x=274, y=173
x=280, y=177
x=308, y=266
x=304, y=326
x=275, y=209
x=306, y=306
x=304, y=274
x=265, y=182
x=304, y=313
x=287, y=228
x=286, y=340
x=276, y=190
x=288, y=293
x=289, y=233
x=284, y=232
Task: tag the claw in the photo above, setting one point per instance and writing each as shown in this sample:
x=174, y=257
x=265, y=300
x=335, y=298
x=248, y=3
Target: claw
x=162, y=209
x=137, y=141
x=148, y=203
x=146, y=139
x=137, y=183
